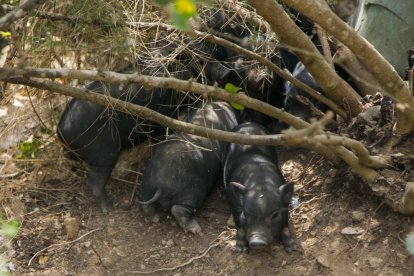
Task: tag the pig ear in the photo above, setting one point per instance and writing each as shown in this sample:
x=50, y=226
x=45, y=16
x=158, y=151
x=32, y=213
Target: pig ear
x=287, y=191
x=240, y=187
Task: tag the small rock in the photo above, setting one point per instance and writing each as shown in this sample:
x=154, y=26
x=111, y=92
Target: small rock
x=71, y=227
x=334, y=246
x=358, y=216
x=170, y=243
x=375, y=262
x=322, y=261
x=177, y=274
x=87, y=244
x=294, y=202
x=119, y=252
x=230, y=222
x=142, y=267
x=300, y=270
x=241, y=259
x=11, y=252
x=10, y=267
x=155, y=256
x=352, y=231
x=107, y=262
x=43, y=259
x=283, y=263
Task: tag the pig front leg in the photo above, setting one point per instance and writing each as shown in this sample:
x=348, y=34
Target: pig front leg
x=185, y=218
x=151, y=211
x=287, y=241
x=241, y=241
x=95, y=182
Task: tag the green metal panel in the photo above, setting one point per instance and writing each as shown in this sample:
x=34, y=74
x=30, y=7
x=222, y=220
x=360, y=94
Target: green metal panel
x=389, y=26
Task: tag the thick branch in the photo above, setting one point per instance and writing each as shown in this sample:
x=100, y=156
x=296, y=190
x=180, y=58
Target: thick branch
x=349, y=157
x=290, y=35
x=343, y=146
x=294, y=138
x=362, y=78
x=386, y=75
x=144, y=112
x=157, y=82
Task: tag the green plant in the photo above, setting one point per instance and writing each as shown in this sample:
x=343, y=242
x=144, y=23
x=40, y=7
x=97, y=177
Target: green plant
x=9, y=229
x=29, y=148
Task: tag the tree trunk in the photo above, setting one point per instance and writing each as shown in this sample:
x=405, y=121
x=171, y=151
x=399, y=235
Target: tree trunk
x=295, y=40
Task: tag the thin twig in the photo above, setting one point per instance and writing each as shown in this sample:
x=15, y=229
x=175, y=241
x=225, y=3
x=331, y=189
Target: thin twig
x=10, y=175
x=310, y=201
x=250, y=54
x=134, y=190
x=325, y=45
x=34, y=108
x=212, y=245
x=60, y=244
x=19, y=12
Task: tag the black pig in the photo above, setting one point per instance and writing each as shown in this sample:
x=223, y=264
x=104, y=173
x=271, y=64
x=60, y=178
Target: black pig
x=184, y=168
x=97, y=134
x=257, y=193
x=291, y=103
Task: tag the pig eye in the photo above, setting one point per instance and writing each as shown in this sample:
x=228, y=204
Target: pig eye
x=276, y=215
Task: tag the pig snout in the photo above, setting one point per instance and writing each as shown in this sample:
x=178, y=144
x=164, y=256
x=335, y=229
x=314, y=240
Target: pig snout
x=257, y=241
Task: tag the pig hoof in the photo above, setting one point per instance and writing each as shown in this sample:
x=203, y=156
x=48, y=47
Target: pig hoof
x=290, y=247
x=193, y=228
x=241, y=248
x=105, y=204
x=184, y=217
x=155, y=218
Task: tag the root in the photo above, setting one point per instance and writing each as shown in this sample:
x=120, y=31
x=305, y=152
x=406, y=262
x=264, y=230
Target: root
x=216, y=242
x=60, y=244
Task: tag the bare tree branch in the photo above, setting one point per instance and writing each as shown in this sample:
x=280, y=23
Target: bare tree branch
x=19, y=12
x=156, y=82
x=289, y=34
x=290, y=139
x=386, y=75
x=362, y=78
x=247, y=53
x=212, y=38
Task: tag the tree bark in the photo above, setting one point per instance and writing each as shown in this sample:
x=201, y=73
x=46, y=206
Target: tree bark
x=295, y=40
x=386, y=75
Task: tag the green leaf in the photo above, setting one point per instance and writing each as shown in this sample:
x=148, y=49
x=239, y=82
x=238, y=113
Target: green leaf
x=229, y=87
x=180, y=21
x=9, y=229
x=237, y=106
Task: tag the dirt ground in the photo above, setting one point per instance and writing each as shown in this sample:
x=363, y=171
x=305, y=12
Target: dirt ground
x=339, y=229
